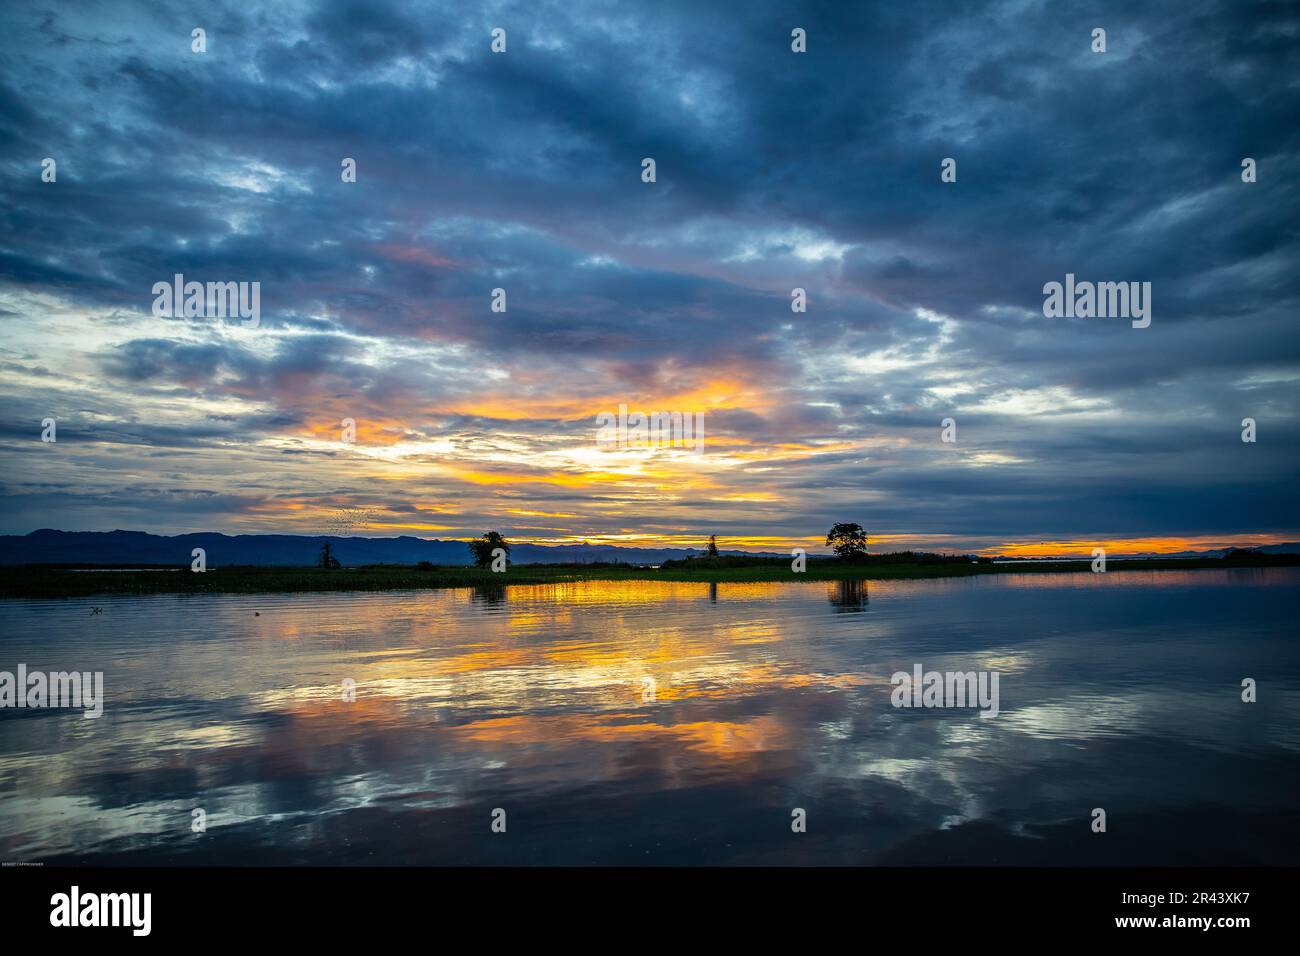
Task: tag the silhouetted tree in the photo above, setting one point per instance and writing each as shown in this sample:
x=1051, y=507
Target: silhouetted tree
x=327, y=559
x=712, y=549
x=848, y=541
x=483, y=547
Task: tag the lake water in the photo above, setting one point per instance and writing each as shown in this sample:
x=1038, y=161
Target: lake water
x=649, y=723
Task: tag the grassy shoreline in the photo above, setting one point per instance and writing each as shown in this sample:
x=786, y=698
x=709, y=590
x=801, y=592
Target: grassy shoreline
x=46, y=582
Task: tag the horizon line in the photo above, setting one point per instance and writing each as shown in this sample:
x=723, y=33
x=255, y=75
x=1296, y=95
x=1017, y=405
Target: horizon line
x=1010, y=548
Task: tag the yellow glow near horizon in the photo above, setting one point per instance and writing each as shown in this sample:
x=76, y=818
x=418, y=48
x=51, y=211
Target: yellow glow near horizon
x=1166, y=545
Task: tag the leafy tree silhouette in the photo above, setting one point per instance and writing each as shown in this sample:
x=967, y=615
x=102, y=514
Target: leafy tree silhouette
x=482, y=548
x=848, y=541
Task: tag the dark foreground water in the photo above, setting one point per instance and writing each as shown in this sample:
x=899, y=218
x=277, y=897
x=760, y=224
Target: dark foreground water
x=644, y=723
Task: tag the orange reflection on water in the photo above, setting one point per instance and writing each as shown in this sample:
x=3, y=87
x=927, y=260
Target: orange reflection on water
x=618, y=672
x=721, y=740
x=1210, y=577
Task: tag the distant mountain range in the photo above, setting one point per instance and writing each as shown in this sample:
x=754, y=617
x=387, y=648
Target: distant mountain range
x=138, y=547
x=1290, y=547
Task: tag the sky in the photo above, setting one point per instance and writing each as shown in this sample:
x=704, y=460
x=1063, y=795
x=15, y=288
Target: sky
x=774, y=170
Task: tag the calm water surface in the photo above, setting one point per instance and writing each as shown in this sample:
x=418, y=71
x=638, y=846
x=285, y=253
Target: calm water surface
x=1119, y=691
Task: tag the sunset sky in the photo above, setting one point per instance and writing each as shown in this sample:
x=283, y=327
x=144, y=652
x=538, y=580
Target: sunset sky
x=775, y=170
